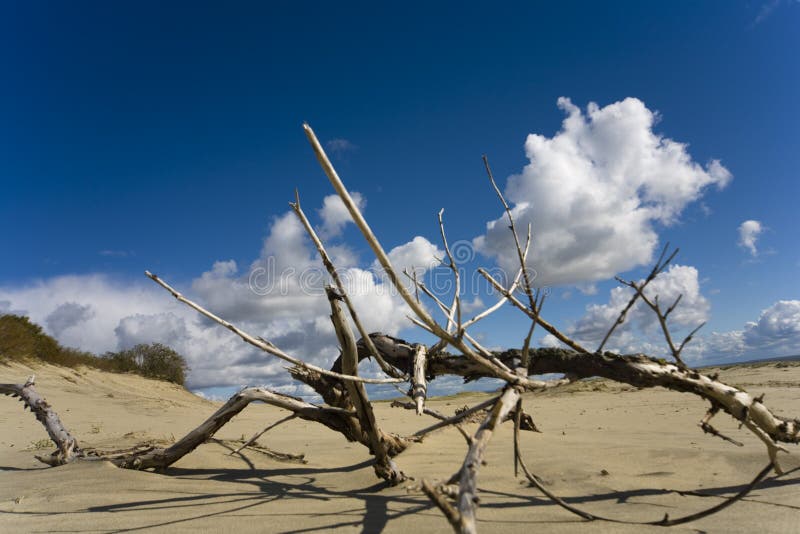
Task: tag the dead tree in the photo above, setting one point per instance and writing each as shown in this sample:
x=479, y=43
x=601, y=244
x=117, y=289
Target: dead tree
x=347, y=408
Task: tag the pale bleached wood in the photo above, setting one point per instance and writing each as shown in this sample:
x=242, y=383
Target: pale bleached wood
x=263, y=344
x=468, y=480
x=637, y=370
x=334, y=273
x=419, y=311
x=454, y=318
x=384, y=466
x=452, y=515
x=419, y=386
x=66, y=445
x=532, y=314
x=261, y=433
x=334, y=418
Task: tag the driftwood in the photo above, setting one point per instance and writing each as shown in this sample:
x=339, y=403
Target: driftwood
x=348, y=411
x=67, y=446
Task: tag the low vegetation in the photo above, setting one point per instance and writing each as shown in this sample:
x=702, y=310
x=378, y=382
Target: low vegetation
x=23, y=340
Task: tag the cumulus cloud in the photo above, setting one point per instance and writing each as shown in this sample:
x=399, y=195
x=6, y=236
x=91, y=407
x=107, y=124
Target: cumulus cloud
x=594, y=192
x=775, y=333
x=641, y=331
x=165, y=328
x=334, y=214
x=748, y=235
x=279, y=296
x=68, y=315
x=417, y=255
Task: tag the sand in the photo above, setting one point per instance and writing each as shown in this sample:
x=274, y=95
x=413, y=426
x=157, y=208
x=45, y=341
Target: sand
x=608, y=448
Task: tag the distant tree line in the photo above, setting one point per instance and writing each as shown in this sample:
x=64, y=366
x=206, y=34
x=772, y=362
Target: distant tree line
x=21, y=340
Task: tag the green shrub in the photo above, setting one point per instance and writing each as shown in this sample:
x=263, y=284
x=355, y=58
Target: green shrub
x=154, y=360
x=21, y=339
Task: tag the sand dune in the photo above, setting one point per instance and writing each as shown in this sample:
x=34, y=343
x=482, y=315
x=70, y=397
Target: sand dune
x=610, y=449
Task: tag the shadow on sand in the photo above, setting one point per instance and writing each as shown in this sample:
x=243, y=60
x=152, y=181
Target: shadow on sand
x=378, y=508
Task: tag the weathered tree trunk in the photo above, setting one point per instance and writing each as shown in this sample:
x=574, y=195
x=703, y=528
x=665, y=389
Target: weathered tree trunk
x=637, y=370
x=67, y=446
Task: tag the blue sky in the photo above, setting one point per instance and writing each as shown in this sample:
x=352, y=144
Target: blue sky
x=141, y=136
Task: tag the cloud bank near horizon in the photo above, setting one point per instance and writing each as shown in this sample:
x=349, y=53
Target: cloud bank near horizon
x=594, y=193
x=280, y=298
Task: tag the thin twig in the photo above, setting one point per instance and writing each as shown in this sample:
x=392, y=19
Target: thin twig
x=708, y=429
x=265, y=345
x=528, y=283
x=326, y=260
x=533, y=315
x=383, y=259
x=454, y=319
x=502, y=300
x=456, y=418
x=659, y=267
x=259, y=434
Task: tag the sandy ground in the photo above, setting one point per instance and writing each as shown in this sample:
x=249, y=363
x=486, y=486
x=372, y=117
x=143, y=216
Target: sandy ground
x=608, y=448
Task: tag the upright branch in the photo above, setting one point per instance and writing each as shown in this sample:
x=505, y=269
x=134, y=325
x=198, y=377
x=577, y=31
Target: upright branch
x=454, y=318
x=329, y=266
x=384, y=466
x=423, y=318
x=657, y=269
x=468, y=480
x=263, y=344
x=563, y=338
x=528, y=283
x=662, y=320
x=419, y=386
x=510, y=289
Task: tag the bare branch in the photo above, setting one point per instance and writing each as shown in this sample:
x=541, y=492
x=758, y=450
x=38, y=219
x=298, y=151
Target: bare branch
x=384, y=466
x=67, y=446
x=662, y=321
x=708, y=429
x=509, y=290
x=456, y=418
x=468, y=482
x=657, y=269
x=532, y=314
x=454, y=319
x=421, y=285
x=263, y=344
x=419, y=386
x=452, y=515
x=528, y=283
x=259, y=434
x=362, y=225
x=388, y=369
x=383, y=259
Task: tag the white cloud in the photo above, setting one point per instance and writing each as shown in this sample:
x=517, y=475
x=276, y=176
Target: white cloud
x=101, y=302
x=68, y=315
x=594, y=191
x=334, y=214
x=775, y=333
x=748, y=235
x=279, y=297
x=418, y=255
x=641, y=331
